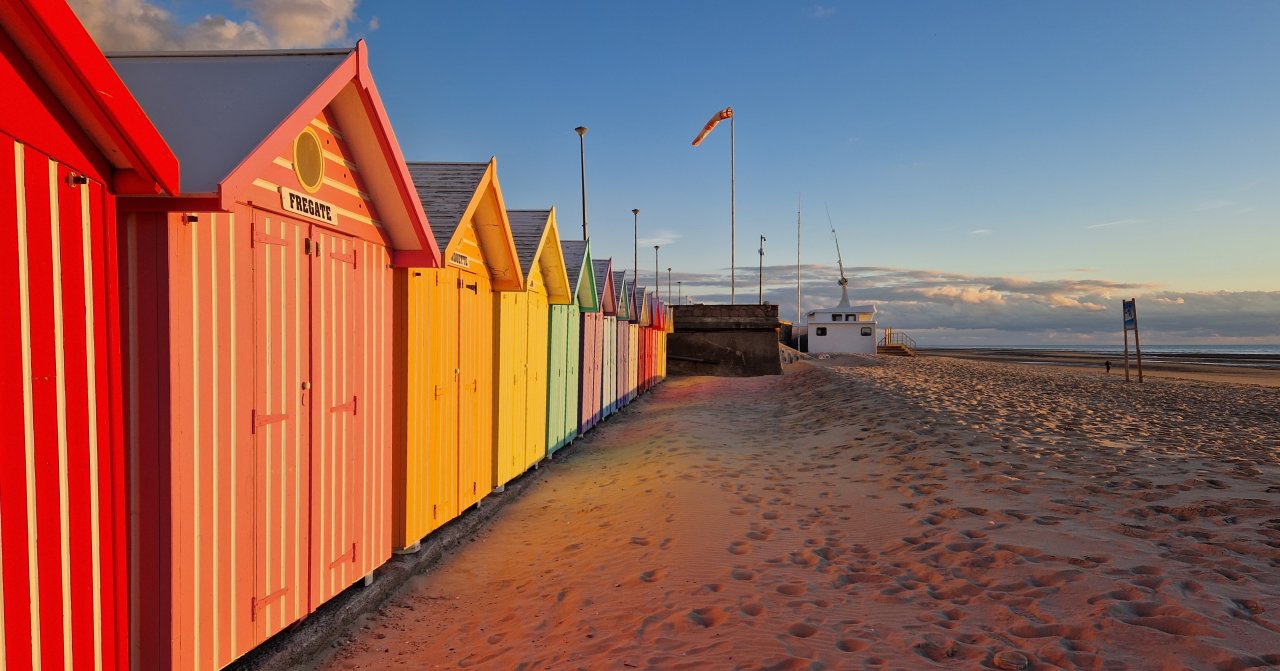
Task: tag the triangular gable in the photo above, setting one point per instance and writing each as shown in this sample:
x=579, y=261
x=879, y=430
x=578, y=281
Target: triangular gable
x=605, y=292
x=213, y=108
x=538, y=244
x=469, y=218
x=51, y=41
x=642, y=302
x=577, y=261
x=669, y=323
x=623, y=305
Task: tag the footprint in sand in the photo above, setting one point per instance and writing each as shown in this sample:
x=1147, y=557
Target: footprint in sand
x=707, y=617
x=802, y=630
x=751, y=606
x=792, y=589
x=653, y=575
x=640, y=540
x=739, y=547
x=742, y=573
x=852, y=645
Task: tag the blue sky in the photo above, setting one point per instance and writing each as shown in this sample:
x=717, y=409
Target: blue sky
x=998, y=172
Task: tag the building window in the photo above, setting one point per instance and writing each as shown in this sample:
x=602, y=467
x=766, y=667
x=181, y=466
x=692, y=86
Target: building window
x=851, y=318
x=835, y=318
x=866, y=330
x=821, y=331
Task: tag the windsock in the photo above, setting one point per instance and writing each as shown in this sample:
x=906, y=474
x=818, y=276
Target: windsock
x=715, y=119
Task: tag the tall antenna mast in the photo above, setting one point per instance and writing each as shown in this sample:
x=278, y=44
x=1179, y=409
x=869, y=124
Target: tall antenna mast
x=799, y=310
x=844, y=281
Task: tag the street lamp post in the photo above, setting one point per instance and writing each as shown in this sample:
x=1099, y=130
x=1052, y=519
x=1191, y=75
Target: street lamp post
x=679, y=292
x=582, y=163
x=760, y=300
x=657, y=280
x=635, y=246
x=669, y=284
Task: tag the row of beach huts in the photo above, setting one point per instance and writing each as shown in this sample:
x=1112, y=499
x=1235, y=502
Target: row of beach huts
x=249, y=350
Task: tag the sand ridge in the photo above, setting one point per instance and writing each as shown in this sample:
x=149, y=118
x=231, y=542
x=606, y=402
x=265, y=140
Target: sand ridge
x=876, y=513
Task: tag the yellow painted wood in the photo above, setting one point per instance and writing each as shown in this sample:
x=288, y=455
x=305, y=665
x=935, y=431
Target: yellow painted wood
x=511, y=356
x=443, y=388
x=475, y=393
x=538, y=320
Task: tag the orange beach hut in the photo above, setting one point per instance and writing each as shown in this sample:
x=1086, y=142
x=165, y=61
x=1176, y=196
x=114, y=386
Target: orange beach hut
x=444, y=340
x=75, y=142
x=257, y=308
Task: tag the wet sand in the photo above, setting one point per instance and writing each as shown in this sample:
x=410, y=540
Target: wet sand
x=876, y=513
x=1235, y=368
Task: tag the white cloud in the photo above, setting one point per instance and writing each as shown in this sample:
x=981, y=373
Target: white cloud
x=981, y=231
x=661, y=237
x=304, y=23
x=140, y=25
x=1118, y=222
x=822, y=11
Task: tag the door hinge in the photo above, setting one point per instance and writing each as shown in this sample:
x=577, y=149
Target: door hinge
x=306, y=246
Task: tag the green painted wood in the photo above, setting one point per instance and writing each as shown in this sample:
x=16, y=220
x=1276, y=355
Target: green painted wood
x=557, y=361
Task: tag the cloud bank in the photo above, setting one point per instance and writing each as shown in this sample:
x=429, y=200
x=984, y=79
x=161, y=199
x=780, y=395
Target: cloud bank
x=140, y=25
x=943, y=308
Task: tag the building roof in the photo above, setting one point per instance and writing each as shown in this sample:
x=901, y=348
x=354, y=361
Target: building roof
x=57, y=46
x=605, y=293
x=577, y=261
x=229, y=114
x=848, y=308
x=216, y=107
x=446, y=191
x=527, y=228
x=602, y=268
x=620, y=289
x=538, y=241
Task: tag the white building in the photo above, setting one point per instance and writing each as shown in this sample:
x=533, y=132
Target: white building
x=844, y=329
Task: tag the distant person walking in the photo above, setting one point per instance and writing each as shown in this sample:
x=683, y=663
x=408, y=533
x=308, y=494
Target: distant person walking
x=1107, y=363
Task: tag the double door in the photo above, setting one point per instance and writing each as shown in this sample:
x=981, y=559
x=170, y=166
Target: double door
x=306, y=418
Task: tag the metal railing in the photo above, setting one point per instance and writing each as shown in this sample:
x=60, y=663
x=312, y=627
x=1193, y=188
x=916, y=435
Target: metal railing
x=892, y=337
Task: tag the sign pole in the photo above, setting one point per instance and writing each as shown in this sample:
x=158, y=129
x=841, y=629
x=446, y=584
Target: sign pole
x=1137, y=346
x=1126, y=355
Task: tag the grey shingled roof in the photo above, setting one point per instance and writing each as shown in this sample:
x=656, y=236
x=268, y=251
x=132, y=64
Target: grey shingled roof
x=445, y=190
x=601, y=269
x=527, y=227
x=575, y=252
x=215, y=108
x=620, y=287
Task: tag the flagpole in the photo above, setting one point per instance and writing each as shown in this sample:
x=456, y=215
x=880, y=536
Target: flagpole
x=733, y=219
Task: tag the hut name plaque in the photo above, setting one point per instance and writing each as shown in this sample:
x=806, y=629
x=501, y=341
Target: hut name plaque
x=301, y=203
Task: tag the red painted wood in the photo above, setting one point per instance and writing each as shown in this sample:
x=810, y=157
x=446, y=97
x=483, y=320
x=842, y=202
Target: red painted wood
x=13, y=495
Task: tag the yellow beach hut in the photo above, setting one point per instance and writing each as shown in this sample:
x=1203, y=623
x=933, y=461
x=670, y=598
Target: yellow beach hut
x=443, y=438
x=523, y=319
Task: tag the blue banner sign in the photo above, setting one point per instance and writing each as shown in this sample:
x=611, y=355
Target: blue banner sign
x=1130, y=314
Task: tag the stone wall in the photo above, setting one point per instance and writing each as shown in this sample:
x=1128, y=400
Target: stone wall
x=724, y=340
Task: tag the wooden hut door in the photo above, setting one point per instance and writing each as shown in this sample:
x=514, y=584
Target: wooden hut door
x=336, y=415
x=474, y=325
x=280, y=421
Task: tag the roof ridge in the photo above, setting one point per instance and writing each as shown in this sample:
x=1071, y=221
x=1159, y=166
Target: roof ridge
x=229, y=53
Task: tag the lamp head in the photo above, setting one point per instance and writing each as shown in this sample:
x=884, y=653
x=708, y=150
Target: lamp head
x=580, y=130
x=636, y=211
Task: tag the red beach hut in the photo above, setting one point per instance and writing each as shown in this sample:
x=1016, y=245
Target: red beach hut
x=73, y=140
x=258, y=310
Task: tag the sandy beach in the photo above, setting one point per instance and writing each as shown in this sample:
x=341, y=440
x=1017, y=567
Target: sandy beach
x=876, y=513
